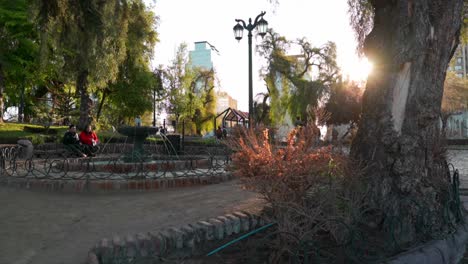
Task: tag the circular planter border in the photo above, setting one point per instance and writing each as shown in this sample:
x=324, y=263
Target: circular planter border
x=84, y=185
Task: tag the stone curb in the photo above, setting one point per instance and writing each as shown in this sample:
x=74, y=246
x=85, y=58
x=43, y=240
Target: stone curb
x=189, y=240
x=446, y=251
x=71, y=185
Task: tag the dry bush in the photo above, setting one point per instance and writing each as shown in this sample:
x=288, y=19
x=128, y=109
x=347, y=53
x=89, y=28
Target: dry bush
x=316, y=195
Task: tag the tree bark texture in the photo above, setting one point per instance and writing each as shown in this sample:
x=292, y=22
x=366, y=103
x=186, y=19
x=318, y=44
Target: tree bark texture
x=86, y=104
x=410, y=45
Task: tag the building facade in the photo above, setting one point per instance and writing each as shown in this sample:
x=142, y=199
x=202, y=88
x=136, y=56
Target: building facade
x=224, y=101
x=201, y=55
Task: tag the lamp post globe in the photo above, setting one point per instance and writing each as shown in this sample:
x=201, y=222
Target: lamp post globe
x=262, y=27
x=238, y=31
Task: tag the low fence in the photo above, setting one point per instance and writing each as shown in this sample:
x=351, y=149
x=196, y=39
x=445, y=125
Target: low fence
x=53, y=168
x=110, y=148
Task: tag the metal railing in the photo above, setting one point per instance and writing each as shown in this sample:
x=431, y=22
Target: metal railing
x=63, y=165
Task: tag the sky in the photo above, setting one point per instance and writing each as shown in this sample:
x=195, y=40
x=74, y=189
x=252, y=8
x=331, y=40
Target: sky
x=212, y=20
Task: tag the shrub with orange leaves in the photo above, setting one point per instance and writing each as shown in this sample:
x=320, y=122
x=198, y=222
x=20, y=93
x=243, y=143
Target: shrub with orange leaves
x=294, y=169
x=306, y=185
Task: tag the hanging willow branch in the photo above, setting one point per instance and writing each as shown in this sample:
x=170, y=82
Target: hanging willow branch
x=361, y=14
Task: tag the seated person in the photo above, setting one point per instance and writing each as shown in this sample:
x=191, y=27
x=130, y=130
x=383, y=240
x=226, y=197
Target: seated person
x=90, y=141
x=72, y=142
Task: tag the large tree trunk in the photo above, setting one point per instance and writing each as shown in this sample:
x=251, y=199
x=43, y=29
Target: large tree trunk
x=2, y=90
x=410, y=45
x=86, y=103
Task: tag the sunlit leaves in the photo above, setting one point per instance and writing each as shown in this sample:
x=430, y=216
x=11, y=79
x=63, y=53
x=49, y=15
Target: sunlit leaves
x=296, y=81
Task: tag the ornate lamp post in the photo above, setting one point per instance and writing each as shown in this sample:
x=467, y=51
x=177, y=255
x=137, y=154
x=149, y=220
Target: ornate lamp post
x=262, y=25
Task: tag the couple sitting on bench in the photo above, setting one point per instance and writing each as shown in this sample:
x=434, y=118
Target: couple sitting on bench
x=84, y=145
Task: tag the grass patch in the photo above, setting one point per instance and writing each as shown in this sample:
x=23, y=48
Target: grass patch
x=205, y=141
x=11, y=132
x=108, y=136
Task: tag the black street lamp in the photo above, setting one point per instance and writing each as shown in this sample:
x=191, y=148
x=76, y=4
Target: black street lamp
x=262, y=25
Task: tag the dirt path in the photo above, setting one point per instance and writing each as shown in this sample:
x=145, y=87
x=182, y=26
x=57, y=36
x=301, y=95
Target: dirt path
x=60, y=228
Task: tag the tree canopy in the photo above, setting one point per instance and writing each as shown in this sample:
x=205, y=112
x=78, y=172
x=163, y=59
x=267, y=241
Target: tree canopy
x=296, y=82
x=18, y=50
x=190, y=92
x=86, y=50
x=344, y=103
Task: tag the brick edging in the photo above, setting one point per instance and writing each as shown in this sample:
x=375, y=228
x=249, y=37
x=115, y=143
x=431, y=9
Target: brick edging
x=83, y=185
x=192, y=240
x=185, y=241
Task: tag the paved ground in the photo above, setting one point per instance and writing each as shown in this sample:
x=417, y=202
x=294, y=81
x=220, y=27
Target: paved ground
x=58, y=228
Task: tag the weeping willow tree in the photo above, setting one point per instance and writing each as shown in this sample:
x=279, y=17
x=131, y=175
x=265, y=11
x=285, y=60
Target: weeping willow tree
x=132, y=92
x=296, y=82
x=90, y=37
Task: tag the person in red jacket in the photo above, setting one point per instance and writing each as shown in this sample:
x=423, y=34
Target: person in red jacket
x=89, y=140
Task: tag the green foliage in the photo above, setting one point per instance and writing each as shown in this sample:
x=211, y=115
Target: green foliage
x=296, y=82
x=37, y=139
x=49, y=47
x=107, y=136
x=262, y=110
x=177, y=77
x=18, y=51
x=91, y=35
x=207, y=141
x=131, y=93
x=11, y=132
x=344, y=103
x=190, y=91
x=18, y=41
x=203, y=100
x=93, y=38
